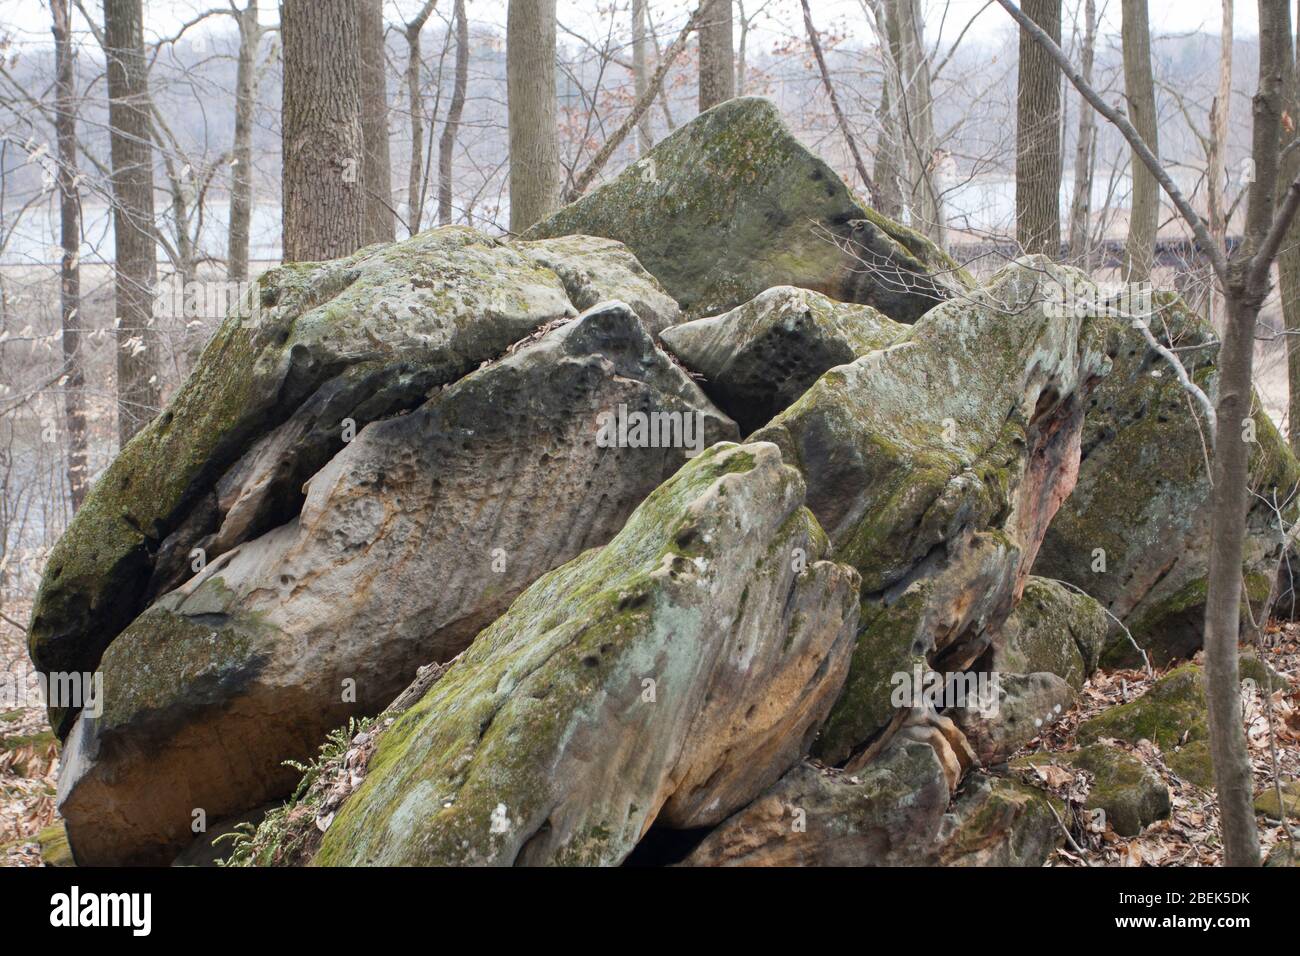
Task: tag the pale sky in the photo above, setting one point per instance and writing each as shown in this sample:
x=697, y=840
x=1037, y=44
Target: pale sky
x=29, y=19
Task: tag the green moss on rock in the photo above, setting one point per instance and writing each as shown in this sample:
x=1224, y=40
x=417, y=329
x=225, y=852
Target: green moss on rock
x=732, y=204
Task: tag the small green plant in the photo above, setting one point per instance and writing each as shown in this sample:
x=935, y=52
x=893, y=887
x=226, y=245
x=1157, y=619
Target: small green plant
x=288, y=833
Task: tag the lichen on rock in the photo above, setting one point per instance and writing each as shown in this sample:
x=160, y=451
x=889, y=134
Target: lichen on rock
x=668, y=677
x=732, y=203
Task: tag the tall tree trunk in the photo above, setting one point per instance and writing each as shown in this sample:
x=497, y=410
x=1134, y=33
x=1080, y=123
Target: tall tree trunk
x=887, y=156
x=377, y=173
x=1229, y=496
x=1139, y=91
x=65, y=130
x=1084, y=151
x=1038, y=136
x=742, y=47
x=916, y=116
x=530, y=89
x=641, y=73
x=447, y=144
x=321, y=128
x=136, y=269
x=1288, y=260
x=1220, y=108
x=717, y=66
x=241, y=154
x=415, y=99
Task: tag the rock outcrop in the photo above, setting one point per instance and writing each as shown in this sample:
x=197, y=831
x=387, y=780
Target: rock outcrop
x=759, y=358
x=1134, y=534
x=940, y=502
x=894, y=812
x=732, y=204
x=416, y=535
x=669, y=677
x=312, y=347
x=448, y=506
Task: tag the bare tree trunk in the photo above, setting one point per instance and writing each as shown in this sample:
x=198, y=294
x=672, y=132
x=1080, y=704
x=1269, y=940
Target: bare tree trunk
x=1229, y=497
x=916, y=116
x=742, y=47
x=1084, y=152
x=641, y=74
x=377, y=172
x=241, y=154
x=415, y=99
x=1219, y=110
x=1288, y=260
x=1139, y=90
x=447, y=144
x=717, y=82
x=136, y=269
x=65, y=129
x=534, y=138
x=1038, y=136
x=887, y=157
x=321, y=130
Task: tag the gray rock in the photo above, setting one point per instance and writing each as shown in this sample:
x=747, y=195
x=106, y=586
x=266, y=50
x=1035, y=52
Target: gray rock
x=1134, y=533
x=935, y=465
x=596, y=270
x=669, y=677
x=419, y=533
x=759, y=358
x=731, y=204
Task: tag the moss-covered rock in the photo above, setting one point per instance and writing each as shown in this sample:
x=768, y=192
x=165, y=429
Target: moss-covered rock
x=1131, y=794
x=416, y=314
x=53, y=841
x=731, y=204
x=1266, y=802
x=1134, y=534
x=1053, y=630
x=757, y=359
x=416, y=535
x=669, y=677
x=1172, y=714
x=999, y=822
x=935, y=465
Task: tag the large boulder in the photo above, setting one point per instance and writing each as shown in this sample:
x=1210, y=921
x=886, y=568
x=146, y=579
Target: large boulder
x=311, y=348
x=416, y=535
x=1135, y=532
x=757, y=359
x=732, y=204
x=668, y=678
x=935, y=466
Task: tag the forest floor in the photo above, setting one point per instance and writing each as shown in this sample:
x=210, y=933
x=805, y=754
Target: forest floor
x=29, y=765
x=29, y=756
x=1189, y=836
